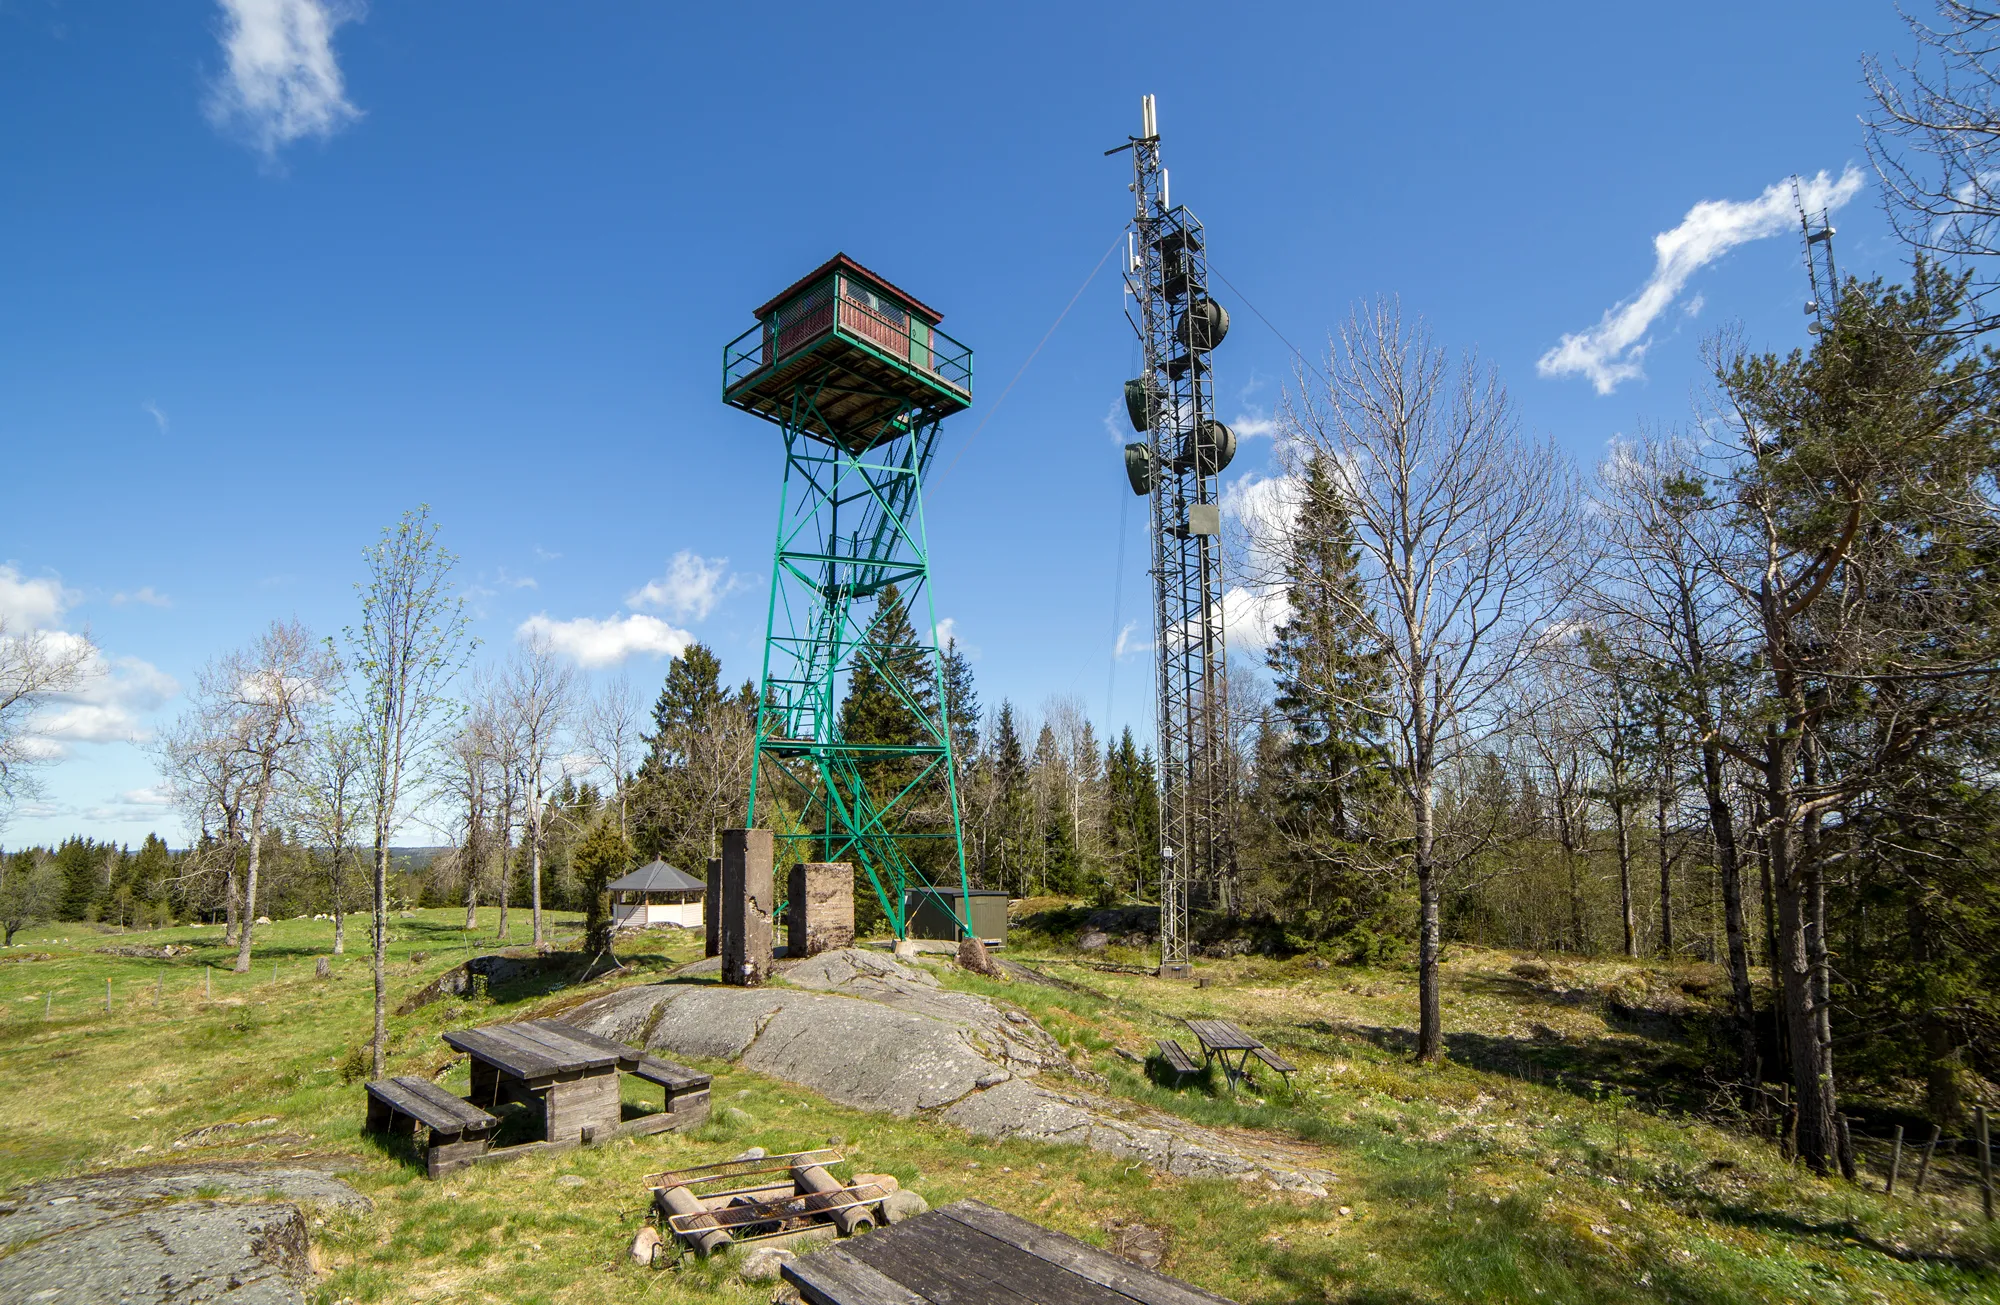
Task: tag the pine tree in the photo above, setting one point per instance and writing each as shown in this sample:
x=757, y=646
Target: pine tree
x=1010, y=777
x=602, y=856
x=692, y=692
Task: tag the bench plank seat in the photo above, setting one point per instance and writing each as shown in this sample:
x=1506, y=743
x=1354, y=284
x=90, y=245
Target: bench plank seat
x=1176, y=1058
x=431, y=1105
x=674, y=1078
x=1284, y=1068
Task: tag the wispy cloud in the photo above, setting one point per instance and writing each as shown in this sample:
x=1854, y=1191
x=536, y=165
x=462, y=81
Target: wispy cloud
x=1127, y=644
x=144, y=594
x=283, y=83
x=592, y=643
x=690, y=589
x=159, y=417
x=1614, y=350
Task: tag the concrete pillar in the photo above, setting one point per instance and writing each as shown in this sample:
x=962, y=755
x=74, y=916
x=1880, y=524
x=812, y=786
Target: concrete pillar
x=711, y=909
x=746, y=906
x=819, y=908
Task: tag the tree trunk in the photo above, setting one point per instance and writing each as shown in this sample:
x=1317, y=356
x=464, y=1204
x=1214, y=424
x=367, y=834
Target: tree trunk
x=1430, y=1013
x=250, y=877
x=338, y=888
x=1796, y=887
x=380, y=1045
x=535, y=871
x=1722, y=825
x=232, y=890
x=1623, y=823
x=1662, y=796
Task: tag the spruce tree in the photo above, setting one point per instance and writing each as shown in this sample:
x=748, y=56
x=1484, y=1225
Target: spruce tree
x=1333, y=772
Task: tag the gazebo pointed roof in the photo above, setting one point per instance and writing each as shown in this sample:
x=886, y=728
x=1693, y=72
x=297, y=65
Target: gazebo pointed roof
x=657, y=876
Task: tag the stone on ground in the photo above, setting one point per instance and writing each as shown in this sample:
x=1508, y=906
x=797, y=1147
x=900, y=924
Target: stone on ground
x=901, y=1205
x=119, y=1235
x=765, y=1264
x=645, y=1244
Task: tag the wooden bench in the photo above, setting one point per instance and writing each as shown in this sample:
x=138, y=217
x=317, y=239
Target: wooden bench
x=460, y=1131
x=686, y=1089
x=1285, y=1068
x=1175, y=1057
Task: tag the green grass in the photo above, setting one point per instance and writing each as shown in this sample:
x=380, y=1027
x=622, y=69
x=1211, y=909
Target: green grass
x=1507, y=1177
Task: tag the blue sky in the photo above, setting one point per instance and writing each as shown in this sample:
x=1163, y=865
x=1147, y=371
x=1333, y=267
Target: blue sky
x=273, y=271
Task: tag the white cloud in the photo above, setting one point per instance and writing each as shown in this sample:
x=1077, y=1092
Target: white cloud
x=1250, y=428
x=591, y=643
x=108, y=706
x=691, y=588
x=159, y=417
x=283, y=82
x=145, y=594
x=155, y=796
x=36, y=604
x=1614, y=350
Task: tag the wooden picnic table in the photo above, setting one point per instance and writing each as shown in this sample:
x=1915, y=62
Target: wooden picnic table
x=969, y=1253
x=568, y=1075
x=1218, y=1039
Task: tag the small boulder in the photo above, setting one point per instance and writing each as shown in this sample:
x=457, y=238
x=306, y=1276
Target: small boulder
x=972, y=956
x=905, y=950
x=645, y=1244
x=902, y=1205
x=765, y=1264
x=1532, y=971
x=263, y=919
x=323, y=968
x=1096, y=940
x=887, y=1182
x=754, y=1153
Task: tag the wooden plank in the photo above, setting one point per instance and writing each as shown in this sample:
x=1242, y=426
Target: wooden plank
x=679, y=1078
x=511, y=1058
x=467, y=1115
x=1221, y=1035
x=915, y=1259
x=1176, y=1057
x=1274, y=1060
x=429, y=1105
x=940, y=1256
x=1142, y=1285
x=627, y=1056
x=570, y=1052
x=834, y=1277
x=509, y=1035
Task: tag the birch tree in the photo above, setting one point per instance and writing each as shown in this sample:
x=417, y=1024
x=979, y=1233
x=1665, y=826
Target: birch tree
x=35, y=665
x=612, y=729
x=540, y=696
x=410, y=644
x=325, y=806
x=1462, y=528
x=264, y=700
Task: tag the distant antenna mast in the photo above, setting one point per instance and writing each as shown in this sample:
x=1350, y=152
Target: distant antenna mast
x=1817, y=233
x=1177, y=466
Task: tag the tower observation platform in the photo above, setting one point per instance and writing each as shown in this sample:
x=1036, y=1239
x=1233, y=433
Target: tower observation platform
x=858, y=377
x=866, y=360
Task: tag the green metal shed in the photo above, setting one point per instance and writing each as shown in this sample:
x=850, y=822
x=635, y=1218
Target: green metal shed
x=937, y=913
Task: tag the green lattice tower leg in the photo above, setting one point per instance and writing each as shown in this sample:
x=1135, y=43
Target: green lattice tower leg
x=848, y=525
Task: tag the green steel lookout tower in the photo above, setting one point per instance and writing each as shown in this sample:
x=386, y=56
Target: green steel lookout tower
x=856, y=374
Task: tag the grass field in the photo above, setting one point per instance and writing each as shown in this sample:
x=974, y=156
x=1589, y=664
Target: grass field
x=1545, y=1165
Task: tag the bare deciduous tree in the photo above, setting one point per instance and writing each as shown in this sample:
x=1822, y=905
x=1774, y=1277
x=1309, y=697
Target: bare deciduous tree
x=612, y=726
x=34, y=666
x=409, y=646
x=1462, y=527
x=540, y=697
x=263, y=700
x=326, y=805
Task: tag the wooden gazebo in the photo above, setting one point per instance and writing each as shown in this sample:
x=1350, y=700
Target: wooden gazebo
x=656, y=893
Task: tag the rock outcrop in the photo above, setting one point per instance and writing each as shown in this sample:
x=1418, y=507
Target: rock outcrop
x=866, y=1030
x=126, y=1234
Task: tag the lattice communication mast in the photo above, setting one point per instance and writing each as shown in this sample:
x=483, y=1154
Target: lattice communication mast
x=1176, y=465
x=856, y=374
x=1821, y=275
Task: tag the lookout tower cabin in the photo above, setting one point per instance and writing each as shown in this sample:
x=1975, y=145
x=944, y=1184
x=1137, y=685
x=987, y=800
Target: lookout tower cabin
x=845, y=357
x=656, y=893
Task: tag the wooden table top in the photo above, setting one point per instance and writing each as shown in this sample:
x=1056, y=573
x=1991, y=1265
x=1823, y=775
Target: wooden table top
x=542, y=1049
x=1221, y=1035
x=972, y=1254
